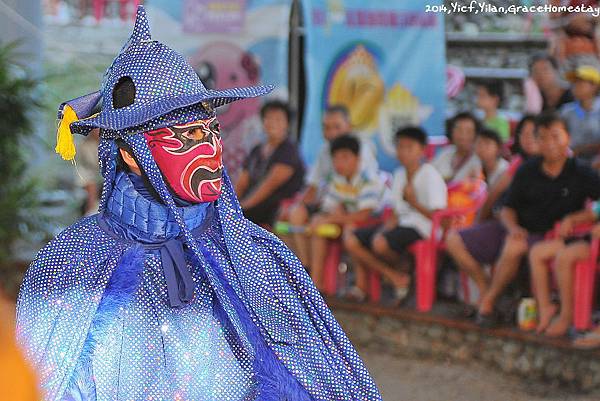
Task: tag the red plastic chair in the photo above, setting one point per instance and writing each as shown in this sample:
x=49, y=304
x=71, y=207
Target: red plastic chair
x=433, y=144
x=585, y=284
x=335, y=249
x=334, y=255
x=584, y=280
x=330, y=268
x=426, y=251
x=99, y=6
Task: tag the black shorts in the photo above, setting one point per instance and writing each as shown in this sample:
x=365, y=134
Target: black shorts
x=313, y=208
x=398, y=238
x=579, y=238
x=264, y=213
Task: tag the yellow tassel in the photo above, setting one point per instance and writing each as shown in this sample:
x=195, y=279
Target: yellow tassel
x=65, y=146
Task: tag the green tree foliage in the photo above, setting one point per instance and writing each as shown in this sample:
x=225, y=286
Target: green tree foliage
x=18, y=197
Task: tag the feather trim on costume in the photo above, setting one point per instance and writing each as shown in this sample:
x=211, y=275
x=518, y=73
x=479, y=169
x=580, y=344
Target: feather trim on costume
x=82, y=387
x=275, y=382
x=121, y=287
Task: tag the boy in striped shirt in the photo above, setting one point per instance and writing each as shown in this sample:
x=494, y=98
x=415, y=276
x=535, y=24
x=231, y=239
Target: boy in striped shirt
x=351, y=196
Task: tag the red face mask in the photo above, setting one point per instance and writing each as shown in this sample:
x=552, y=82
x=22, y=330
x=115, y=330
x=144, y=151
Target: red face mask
x=189, y=156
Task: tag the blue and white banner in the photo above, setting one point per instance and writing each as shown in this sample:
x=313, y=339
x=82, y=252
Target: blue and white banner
x=231, y=43
x=383, y=59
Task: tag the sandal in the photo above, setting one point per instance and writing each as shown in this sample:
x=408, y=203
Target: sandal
x=399, y=295
x=486, y=321
x=588, y=341
x=355, y=294
x=469, y=311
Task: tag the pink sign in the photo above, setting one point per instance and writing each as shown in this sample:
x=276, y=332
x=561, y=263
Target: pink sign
x=213, y=16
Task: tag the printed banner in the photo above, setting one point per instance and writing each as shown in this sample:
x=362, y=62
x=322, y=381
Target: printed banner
x=384, y=60
x=210, y=16
x=230, y=43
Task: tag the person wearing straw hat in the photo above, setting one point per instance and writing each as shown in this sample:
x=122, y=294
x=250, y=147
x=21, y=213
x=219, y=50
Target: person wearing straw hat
x=583, y=114
x=169, y=293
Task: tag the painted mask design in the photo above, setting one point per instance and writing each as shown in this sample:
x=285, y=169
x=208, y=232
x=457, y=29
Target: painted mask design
x=190, y=158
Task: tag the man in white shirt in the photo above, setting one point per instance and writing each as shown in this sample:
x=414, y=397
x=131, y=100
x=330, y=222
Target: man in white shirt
x=418, y=190
x=336, y=122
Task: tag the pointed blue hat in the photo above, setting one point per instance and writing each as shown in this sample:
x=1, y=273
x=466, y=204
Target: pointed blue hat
x=160, y=88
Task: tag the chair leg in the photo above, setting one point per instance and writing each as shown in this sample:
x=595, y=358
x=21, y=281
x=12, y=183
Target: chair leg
x=123, y=9
x=374, y=287
x=585, y=273
x=464, y=282
x=330, y=269
x=425, y=260
x=98, y=10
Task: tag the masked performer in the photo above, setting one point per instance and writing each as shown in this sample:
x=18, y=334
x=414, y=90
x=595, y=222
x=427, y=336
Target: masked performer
x=169, y=293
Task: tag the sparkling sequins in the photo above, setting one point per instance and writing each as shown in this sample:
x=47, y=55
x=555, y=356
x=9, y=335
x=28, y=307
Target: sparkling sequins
x=164, y=82
x=147, y=350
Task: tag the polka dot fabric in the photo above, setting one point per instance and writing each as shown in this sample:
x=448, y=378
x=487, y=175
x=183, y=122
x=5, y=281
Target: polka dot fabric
x=256, y=328
x=58, y=300
x=164, y=81
x=318, y=353
x=152, y=351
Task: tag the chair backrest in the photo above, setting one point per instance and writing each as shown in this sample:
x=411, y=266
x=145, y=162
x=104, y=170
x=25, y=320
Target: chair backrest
x=578, y=231
x=433, y=144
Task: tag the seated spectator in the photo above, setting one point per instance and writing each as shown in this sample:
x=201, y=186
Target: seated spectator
x=544, y=190
x=565, y=251
x=336, y=122
x=458, y=160
x=576, y=43
x=489, y=99
x=583, y=115
x=351, y=196
x=273, y=171
x=418, y=190
x=524, y=146
x=488, y=147
x=543, y=69
x=461, y=244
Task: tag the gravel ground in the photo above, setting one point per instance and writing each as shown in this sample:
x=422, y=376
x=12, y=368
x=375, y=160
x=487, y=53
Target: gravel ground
x=403, y=379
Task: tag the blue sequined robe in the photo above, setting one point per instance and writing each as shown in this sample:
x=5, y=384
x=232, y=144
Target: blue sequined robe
x=94, y=318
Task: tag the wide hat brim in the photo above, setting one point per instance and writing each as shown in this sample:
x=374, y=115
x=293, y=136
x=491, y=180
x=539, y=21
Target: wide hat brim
x=140, y=113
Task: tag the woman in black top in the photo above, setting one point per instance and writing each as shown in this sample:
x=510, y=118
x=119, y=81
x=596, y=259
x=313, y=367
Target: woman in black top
x=273, y=170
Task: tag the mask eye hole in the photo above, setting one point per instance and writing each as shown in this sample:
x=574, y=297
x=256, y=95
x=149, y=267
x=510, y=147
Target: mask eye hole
x=208, y=107
x=215, y=126
x=123, y=93
x=195, y=133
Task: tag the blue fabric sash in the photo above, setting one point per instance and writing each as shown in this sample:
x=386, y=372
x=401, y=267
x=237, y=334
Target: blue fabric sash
x=180, y=284
x=168, y=241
